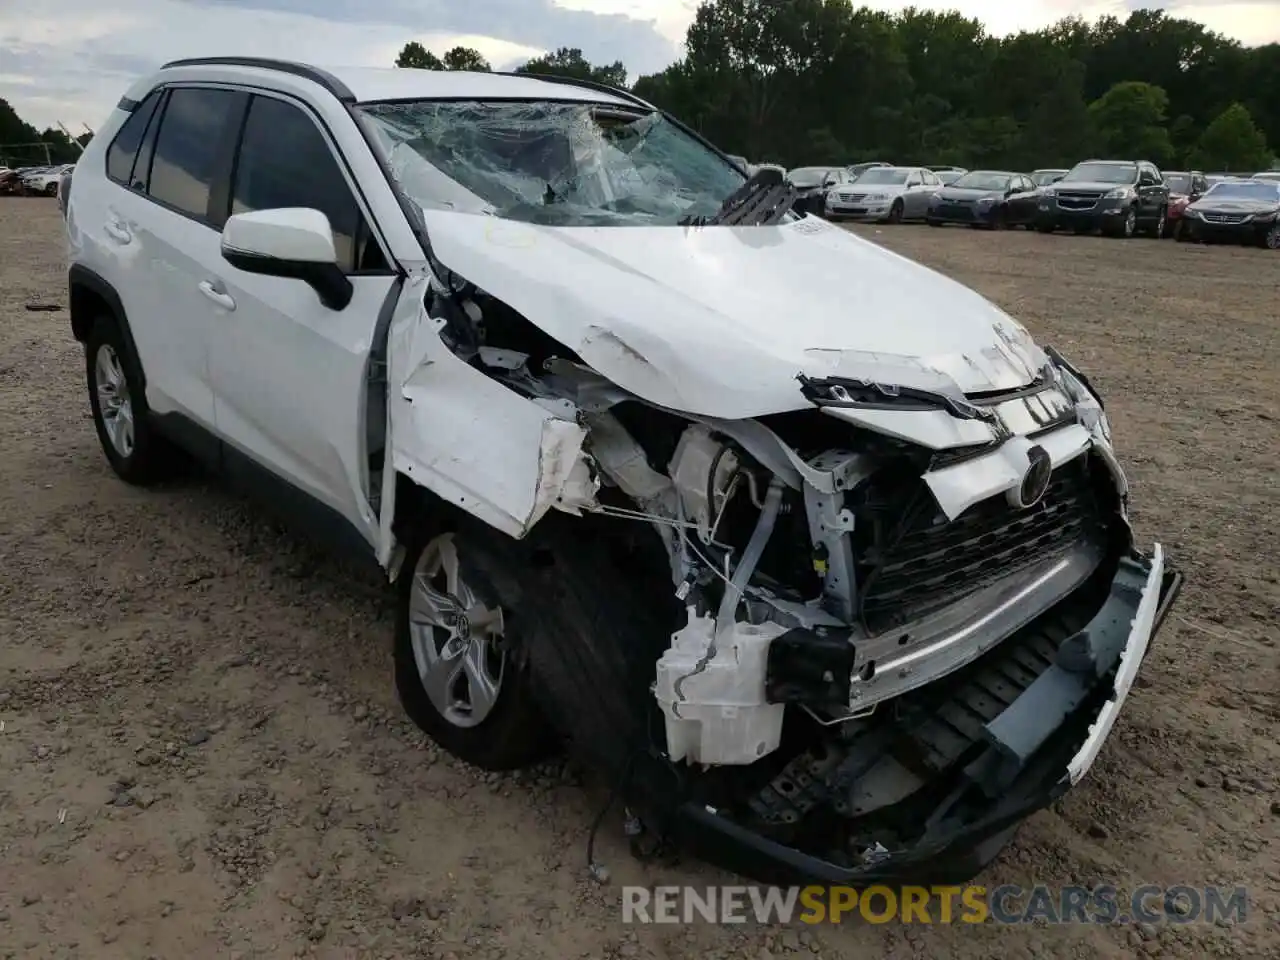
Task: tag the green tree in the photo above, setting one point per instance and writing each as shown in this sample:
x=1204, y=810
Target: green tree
x=466, y=58
x=1232, y=142
x=569, y=62
x=1129, y=121
x=414, y=54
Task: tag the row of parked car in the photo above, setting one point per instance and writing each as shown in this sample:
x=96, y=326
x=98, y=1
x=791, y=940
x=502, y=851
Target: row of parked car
x=1120, y=198
x=33, y=181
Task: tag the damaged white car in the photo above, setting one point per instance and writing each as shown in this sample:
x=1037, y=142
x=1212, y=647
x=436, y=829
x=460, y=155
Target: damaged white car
x=811, y=549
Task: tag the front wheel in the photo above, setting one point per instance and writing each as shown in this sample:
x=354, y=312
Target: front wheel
x=1271, y=239
x=1180, y=232
x=1158, y=232
x=1044, y=227
x=895, y=212
x=1129, y=226
x=933, y=222
x=461, y=673
x=117, y=400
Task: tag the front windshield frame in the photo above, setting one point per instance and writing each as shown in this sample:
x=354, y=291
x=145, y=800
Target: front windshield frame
x=995, y=181
x=1265, y=190
x=1118, y=174
x=875, y=177
x=370, y=116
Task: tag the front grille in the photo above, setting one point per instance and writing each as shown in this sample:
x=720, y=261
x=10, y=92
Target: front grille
x=957, y=211
x=1225, y=217
x=932, y=562
x=851, y=197
x=1078, y=201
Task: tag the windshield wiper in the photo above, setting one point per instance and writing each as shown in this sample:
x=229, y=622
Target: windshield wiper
x=762, y=201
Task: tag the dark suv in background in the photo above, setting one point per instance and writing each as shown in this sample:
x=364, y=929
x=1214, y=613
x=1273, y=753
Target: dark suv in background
x=1117, y=197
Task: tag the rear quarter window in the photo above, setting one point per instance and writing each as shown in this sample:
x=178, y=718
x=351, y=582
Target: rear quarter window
x=123, y=151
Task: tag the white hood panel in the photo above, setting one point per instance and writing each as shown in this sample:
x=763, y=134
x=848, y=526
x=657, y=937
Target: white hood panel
x=719, y=321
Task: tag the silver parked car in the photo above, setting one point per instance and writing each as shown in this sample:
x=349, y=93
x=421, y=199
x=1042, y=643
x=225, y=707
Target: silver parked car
x=885, y=194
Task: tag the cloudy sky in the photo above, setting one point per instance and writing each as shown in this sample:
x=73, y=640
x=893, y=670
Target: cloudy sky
x=70, y=60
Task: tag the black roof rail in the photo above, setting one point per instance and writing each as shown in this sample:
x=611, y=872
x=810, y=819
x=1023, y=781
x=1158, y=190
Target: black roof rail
x=587, y=84
x=314, y=74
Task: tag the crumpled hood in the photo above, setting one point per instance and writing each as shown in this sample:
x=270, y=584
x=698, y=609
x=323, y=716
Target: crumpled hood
x=719, y=321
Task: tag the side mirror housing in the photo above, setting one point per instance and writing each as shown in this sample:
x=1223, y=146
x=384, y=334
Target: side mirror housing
x=290, y=242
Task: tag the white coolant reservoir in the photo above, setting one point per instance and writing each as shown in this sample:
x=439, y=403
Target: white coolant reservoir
x=720, y=715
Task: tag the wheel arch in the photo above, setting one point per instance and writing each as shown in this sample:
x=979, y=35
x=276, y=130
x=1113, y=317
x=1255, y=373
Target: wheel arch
x=90, y=297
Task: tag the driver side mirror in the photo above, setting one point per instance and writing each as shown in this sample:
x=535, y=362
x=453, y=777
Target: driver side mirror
x=294, y=243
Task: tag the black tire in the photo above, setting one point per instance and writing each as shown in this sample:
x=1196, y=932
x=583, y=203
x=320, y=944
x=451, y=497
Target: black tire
x=933, y=222
x=895, y=211
x=1159, y=228
x=149, y=457
x=999, y=219
x=1128, y=227
x=1180, y=233
x=1271, y=239
x=1043, y=227
x=51, y=190
x=514, y=733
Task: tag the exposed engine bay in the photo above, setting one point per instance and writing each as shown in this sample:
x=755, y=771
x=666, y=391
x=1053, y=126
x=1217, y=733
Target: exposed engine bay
x=830, y=574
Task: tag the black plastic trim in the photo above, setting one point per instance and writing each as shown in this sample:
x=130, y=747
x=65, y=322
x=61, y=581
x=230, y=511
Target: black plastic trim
x=127, y=105
x=327, y=279
x=314, y=74
x=303, y=513
x=79, y=275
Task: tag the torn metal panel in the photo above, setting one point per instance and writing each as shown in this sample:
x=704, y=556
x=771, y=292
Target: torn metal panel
x=472, y=441
x=666, y=316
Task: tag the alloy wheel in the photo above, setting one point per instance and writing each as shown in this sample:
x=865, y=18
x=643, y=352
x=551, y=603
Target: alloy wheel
x=456, y=638
x=115, y=406
x=1273, y=237
x=1130, y=223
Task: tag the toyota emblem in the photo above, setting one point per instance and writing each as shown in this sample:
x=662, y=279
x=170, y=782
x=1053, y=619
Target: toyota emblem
x=1035, y=481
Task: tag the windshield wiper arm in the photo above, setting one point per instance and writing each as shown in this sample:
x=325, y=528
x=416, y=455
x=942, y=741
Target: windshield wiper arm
x=762, y=201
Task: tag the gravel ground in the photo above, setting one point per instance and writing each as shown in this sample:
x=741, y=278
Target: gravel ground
x=201, y=755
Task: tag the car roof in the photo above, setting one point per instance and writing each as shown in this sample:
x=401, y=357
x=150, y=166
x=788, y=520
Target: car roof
x=372, y=84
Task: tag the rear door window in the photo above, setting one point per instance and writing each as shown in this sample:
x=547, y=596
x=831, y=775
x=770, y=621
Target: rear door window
x=189, y=148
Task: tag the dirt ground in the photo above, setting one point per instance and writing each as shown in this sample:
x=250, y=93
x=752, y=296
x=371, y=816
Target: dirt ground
x=201, y=755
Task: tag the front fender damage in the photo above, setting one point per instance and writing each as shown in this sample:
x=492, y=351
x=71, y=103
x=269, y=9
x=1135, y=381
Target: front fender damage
x=477, y=445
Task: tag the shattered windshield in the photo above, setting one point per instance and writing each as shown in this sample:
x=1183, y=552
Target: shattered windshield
x=550, y=162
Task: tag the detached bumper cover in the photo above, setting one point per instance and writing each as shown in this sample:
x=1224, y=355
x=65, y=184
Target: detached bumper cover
x=1033, y=759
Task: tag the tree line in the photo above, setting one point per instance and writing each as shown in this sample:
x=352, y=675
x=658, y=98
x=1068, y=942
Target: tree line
x=820, y=81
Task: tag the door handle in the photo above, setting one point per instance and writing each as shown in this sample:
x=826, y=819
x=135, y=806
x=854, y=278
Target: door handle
x=117, y=231
x=215, y=292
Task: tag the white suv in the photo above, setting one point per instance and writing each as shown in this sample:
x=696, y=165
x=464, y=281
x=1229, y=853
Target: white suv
x=658, y=467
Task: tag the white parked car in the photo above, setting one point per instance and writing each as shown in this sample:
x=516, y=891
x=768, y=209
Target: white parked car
x=659, y=469
x=885, y=194
x=46, y=181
